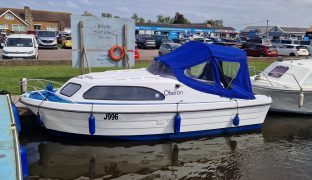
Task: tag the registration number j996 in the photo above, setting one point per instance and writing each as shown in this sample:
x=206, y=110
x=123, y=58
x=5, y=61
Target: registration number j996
x=111, y=116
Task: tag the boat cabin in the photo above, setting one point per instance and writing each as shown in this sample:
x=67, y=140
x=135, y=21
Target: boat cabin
x=292, y=72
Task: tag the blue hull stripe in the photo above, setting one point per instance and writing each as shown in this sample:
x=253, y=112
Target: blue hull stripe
x=205, y=133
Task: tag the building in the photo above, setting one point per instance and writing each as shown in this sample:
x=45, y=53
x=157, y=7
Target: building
x=279, y=32
x=274, y=32
x=255, y=31
x=186, y=30
x=22, y=20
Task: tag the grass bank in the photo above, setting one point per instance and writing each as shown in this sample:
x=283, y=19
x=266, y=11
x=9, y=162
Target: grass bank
x=10, y=76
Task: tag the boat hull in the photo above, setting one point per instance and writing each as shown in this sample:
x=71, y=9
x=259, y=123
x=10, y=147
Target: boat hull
x=153, y=125
x=286, y=101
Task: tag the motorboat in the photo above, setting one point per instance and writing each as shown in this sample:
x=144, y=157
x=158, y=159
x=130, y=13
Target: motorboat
x=288, y=83
x=196, y=90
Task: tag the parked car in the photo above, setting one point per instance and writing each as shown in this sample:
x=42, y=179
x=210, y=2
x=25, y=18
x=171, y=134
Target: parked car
x=20, y=46
x=161, y=39
x=281, y=42
x=293, y=50
x=307, y=44
x=261, y=51
x=61, y=36
x=146, y=42
x=2, y=37
x=204, y=40
x=67, y=42
x=165, y=48
x=46, y=39
x=183, y=40
x=256, y=41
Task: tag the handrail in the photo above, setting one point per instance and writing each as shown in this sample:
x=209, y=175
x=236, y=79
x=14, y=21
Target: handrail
x=43, y=86
x=263, y=73
x=254, y=69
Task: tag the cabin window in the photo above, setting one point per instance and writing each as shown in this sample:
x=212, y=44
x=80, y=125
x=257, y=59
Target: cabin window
x=228, y=72
x=201, y=72
x=70, y=89
x=123, y=93
x=278, y=71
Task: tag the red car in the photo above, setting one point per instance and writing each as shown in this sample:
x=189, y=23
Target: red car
x=261, y=51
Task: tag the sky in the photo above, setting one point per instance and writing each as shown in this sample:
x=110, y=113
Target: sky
x=235, y=13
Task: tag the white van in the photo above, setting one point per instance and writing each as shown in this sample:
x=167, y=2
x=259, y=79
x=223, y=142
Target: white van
x=20, y=46
x=281, y=42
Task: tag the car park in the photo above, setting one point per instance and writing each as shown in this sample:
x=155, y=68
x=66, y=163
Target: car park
x=46, y=39
x=293, y=50
x=145, y=42
x=67, y=42
x=20, y=46
x=261, y=51
x=166, y=48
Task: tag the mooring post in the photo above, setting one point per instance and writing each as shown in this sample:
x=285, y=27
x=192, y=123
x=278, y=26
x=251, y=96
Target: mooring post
x=23, y=85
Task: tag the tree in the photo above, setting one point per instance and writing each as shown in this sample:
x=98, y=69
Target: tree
x=86, y=13
x=179, y=19
x=149, y=21
x=135, y=17
x=116, y=17
x=109, y=15
x=215, y=22
x=164, y=20
x=141, y=20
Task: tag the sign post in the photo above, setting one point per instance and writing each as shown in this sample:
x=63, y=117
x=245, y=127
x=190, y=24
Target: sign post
x=94, y=36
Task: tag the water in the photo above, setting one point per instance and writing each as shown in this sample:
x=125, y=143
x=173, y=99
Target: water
x=282, y=150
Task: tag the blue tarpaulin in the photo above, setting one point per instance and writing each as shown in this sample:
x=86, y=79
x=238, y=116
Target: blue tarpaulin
x=194, y=53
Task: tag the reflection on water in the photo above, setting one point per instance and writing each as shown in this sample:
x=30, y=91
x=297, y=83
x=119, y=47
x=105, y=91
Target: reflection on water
x=281, y=151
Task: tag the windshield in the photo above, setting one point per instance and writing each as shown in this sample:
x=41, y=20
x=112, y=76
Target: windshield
x=46, y=33
x=68, y=38
x=304, y=42
x=19, y=42
x=159, y=68
x=148, y=38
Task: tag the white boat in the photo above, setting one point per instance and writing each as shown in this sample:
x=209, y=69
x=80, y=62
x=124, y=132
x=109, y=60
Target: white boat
x=197, y=90
x=288, y=83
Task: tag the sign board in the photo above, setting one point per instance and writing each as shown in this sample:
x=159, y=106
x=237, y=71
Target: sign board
x=252, y=33
x=168, y=29
x=98, y=35
x=173, y=35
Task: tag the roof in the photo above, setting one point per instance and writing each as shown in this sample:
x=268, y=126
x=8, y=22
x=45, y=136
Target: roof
x=294, y=29
x=194, y=53
x=38, y=15
x=21, y=36
x=194, y=25
x=261, y=29
x=1, y=14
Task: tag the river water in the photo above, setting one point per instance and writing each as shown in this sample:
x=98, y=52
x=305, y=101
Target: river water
x=281, y=150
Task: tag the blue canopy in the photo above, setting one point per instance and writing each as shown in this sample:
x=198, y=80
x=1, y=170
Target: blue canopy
x=194, y=53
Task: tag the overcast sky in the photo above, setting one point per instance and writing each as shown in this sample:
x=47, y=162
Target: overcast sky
x=235, y=13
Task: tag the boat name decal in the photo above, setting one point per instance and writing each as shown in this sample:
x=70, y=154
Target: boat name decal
x=111, y=116
x=172, y=93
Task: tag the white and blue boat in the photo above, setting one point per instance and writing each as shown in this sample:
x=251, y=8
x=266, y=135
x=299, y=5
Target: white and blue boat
x=197, y=90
